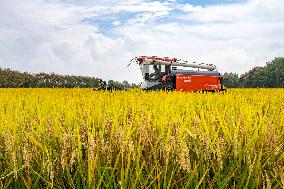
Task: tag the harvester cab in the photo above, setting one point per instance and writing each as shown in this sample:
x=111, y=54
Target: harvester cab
x=169, y=73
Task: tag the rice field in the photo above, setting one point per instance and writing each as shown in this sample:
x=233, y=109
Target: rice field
x=77, y=138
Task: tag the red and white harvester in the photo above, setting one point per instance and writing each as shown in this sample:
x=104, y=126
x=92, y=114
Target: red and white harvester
x=173, y=74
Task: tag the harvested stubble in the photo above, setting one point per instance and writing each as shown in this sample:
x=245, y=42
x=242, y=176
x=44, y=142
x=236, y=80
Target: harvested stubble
x=77, y=138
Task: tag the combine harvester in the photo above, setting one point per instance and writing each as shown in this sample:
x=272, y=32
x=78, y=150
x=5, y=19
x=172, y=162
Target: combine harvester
x=170, y=74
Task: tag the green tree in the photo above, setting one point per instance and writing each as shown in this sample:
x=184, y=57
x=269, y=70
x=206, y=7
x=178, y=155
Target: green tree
x=271, y=75
x=126, y=84
x=231, y=80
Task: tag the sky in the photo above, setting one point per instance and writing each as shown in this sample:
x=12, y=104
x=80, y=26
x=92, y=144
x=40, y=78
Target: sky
x=98, y=38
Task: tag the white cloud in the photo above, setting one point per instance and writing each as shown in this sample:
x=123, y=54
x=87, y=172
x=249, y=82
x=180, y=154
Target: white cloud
x=116, y=23
x=190, y=8
x=51, y=36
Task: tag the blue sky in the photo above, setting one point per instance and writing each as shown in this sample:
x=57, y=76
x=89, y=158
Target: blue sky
x=209, y=2
x=98, y=38
x=105, y=21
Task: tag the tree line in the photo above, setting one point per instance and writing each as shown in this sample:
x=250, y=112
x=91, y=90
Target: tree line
x=269, y=76
x=15, y=79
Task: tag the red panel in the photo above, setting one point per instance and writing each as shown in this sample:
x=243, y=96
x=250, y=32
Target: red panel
x=185, y=82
